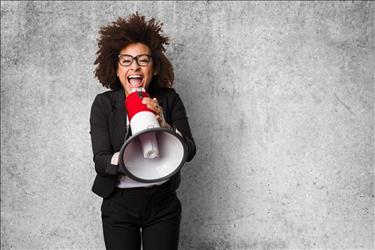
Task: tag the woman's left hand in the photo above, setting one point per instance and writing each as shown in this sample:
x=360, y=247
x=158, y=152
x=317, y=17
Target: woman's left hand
x=154, y=106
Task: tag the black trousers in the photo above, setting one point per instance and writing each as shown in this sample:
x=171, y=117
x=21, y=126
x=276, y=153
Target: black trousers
x=150, y=216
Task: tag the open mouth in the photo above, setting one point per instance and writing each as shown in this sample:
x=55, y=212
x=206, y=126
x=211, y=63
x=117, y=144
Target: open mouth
x=135, y=81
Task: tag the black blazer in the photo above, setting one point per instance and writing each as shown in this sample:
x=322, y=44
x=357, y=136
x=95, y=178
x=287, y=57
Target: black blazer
x=108, y=129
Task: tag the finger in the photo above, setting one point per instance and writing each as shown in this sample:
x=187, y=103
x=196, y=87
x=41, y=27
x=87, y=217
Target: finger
x=150, y=104
x=154, y=109
x=147, y=100
x=156, y=102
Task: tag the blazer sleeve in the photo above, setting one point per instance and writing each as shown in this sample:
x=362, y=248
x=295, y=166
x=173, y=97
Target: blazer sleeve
x=180, y=121
x=100, y=139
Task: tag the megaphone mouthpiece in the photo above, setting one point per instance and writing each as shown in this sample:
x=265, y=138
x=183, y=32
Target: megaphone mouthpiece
x=149, y=145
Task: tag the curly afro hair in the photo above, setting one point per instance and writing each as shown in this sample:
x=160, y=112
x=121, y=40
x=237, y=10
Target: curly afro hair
x=121, y=33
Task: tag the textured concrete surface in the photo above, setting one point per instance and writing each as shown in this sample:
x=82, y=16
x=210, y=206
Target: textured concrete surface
x=281, y=104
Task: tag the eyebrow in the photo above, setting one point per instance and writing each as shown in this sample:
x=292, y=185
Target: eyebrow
x=134, y=56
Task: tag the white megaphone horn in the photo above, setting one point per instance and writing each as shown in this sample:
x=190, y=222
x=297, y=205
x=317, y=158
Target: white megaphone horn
x=152, y=153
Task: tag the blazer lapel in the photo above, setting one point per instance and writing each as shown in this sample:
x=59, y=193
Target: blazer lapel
x=117, y=120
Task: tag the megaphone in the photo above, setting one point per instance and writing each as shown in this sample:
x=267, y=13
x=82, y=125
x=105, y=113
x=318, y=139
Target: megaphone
x=152, y=153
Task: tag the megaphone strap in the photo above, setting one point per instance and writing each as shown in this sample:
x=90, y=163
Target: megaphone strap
x=140, y=95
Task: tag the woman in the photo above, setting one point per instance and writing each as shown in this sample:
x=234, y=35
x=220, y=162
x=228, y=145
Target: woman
x=131, y=52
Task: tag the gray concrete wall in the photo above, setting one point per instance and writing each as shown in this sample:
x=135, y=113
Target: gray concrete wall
x=281, y=103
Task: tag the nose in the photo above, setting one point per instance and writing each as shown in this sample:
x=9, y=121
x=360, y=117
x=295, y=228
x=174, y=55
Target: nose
x=134, y=66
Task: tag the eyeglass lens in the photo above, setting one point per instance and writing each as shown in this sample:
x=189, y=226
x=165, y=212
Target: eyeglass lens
x=127, y=60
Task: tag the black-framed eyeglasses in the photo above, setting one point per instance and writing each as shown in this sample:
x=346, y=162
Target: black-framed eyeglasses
x=127, y=60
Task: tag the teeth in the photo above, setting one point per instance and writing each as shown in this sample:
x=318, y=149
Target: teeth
x=136, y=76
